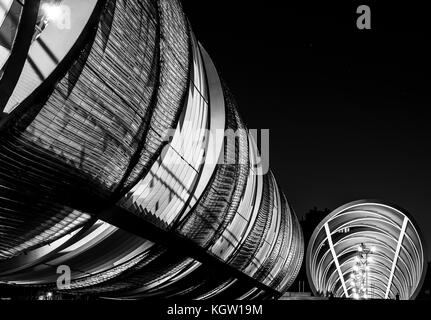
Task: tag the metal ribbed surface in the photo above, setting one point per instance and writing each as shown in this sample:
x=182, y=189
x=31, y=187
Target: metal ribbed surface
x=97, y=141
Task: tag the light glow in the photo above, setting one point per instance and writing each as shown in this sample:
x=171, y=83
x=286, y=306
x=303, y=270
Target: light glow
x=52, y=12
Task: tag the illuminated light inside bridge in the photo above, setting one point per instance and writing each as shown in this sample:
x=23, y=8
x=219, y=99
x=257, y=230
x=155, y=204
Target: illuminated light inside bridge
x=381, y=256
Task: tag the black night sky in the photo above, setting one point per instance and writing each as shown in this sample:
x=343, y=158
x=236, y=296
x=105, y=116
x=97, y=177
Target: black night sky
x=346, y=108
